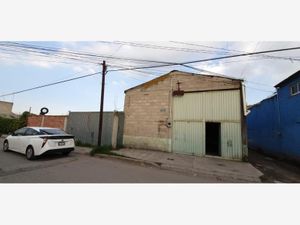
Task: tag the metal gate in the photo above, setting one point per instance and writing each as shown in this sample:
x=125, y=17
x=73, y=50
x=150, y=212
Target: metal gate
x=187, y=137
x=192, y=110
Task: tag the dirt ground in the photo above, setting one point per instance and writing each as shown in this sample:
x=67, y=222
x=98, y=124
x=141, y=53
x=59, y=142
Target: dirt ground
x=275, y=170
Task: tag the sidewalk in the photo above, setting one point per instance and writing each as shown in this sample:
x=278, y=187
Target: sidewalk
x=224, y=170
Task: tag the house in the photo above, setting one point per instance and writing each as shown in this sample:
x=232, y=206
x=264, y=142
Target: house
x=6, y=110
x=274, y=123
x=187, y=113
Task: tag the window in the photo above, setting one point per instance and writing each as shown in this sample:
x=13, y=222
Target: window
x=52, y=131
x=30, y=131
x=295, y=89
x=20, y=132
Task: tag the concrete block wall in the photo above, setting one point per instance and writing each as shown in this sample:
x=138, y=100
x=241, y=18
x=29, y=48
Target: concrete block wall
x=148, y=107
x=6, y=108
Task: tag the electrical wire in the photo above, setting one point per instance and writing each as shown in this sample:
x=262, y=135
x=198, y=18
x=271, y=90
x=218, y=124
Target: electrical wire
x=258, y=83
x=50, y=84
x=161, y=47
x=213, y=59
x=258, y=89
x=46, y=50
x=158, y=66
x=234, y=50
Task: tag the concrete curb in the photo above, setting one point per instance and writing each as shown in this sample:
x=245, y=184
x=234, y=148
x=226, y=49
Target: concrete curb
x=193, y=172
x=128, y=159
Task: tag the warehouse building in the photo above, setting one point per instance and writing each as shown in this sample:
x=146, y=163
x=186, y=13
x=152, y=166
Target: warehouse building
x=187, y=113
x=274, y=123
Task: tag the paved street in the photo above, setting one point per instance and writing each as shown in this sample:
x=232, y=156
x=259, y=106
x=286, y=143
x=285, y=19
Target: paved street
x=78, y=168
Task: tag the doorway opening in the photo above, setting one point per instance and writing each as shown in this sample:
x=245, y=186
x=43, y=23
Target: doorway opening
x=212, y=138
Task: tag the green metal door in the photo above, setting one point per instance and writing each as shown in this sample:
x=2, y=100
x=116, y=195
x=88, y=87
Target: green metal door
x=187, y=137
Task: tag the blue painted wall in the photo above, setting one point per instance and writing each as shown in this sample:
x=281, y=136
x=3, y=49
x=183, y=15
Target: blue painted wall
x=274, y=124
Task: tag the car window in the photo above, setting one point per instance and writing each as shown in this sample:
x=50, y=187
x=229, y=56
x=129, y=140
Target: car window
x=51, y=131
x=20, y=132
x=31, y=131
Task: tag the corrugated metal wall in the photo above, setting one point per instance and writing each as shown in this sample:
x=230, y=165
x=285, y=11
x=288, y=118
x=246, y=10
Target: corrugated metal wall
x=274, y=124
x=84, y=126
x=231, y=141
x=188, y=138
x=213, y=105
x=191, y=111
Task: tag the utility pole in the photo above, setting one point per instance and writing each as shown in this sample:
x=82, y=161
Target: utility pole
x=101, y=103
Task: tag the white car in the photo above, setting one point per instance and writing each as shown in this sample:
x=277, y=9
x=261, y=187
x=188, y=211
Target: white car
x=36, y=141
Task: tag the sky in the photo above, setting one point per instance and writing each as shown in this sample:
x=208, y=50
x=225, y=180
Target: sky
x=22, y=70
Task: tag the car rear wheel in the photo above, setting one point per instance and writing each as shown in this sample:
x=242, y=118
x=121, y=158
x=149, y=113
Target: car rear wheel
x=5, y=146
x=30, y=153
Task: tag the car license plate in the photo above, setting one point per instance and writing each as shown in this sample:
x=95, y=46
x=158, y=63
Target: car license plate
x=61, y=143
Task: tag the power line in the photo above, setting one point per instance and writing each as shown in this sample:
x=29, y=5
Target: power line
x=152, y=61
x=253, y=82
x=246, y=66
x=258, y=89
x=202, y=70
x=76, y=53
x=157, y=66
x=212, y=59
x=88, y=75
x=23, y=58
x=50, y=84
x=219, y=50
x=205, y=46
x=161, y=47
x=234, y=50
x=42, y=54
x=26, y=46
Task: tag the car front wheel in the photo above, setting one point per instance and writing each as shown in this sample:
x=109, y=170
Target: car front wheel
x=30, y=153
x=5, y=146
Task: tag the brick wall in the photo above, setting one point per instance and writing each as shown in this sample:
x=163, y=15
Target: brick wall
x=148, y=107
x=48, y=121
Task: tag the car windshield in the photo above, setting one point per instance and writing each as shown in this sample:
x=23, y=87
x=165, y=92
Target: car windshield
x=51, y=131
